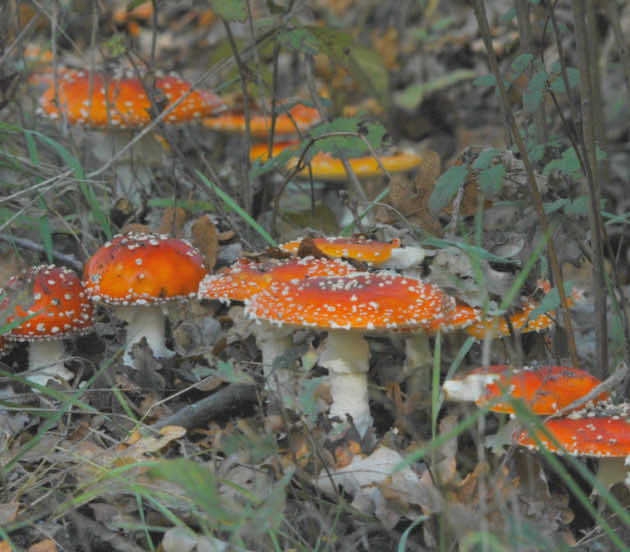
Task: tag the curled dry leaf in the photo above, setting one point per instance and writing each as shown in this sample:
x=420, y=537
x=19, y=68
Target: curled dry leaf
x=173, y=221
x=204, y=237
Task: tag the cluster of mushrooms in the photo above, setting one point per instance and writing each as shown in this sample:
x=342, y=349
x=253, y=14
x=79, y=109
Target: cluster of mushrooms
x=137, y=273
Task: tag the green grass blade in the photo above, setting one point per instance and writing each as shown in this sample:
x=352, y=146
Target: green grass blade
x=233, y=205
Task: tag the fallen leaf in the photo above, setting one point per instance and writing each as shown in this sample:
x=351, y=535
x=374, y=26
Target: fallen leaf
x=205, y=239
x=47, y=545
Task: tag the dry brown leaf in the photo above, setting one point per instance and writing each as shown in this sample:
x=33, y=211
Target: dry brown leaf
x=5, y=547
x=387, y=45
x=445, y=469
x=47, y=545
x=204, y=238
x=173, y=221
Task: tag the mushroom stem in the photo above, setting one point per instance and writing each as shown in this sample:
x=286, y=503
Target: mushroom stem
x=418, y=363
x=144, y=321
x=45, y=361
x=273, y=341
x=346, y=357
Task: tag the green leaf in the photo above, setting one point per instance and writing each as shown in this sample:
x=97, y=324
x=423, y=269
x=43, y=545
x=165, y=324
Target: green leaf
x=308, y=399
x=230, y=10
x=520, y=64
x=412, y=96
x=491, y=179
x=485, y=80
x=351, y=146
x=534, y=92
x=568, y=164
x=485, y=158
x=446, y=187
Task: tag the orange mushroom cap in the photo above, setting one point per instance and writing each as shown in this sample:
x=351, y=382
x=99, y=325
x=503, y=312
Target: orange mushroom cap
x=129, y=105
x=260, y=125
x=326, y=167
x=365, y=301
x=459, y=316
x=545, y=389
x=245, y=278
x=56, y=292
x=142, y=269
x=590, y=432
x=519, y=320
x=360, y=249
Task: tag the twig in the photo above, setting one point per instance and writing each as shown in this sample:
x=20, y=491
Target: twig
x=70, y=260
x=592, y=188
x=230, y=397
x=620, y=40
x=484, y=28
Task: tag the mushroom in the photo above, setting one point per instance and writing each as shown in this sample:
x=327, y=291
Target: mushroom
x=601, y=431
x=325, y=166
x=545, y=390
x=55, y=306
x=384, y=254
x=139, y=272
x=122, y=105
x=245, y=278
x=125, y=104
x=348, y=307
x=296, y=119
x=520, y=322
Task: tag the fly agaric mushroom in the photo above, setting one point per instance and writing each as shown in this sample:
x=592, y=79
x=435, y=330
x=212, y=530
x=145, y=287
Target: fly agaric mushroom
x=601, y=431
x=384, y=254
x=245, y=278
x=520, y=322
x=347, y=307
x=298, y=118
x=55, y=306
x=545, y=390
x=123, y=102
x=137, y=273
x=324, y=166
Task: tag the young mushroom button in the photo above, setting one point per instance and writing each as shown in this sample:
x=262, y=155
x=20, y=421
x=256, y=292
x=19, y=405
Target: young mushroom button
x=138, y=272
x=348, y=307
x=53, y=304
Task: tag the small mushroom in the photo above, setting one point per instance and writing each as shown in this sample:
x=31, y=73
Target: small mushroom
x=137, y=273
x=325, y=166
x=545, y=389
x=384, y=254
x=55, y=306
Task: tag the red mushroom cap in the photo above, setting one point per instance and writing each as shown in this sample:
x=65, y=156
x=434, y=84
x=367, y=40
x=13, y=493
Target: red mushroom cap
x=590, y=432
x=367, y=301
x=129, y=104
x=56, y=292
x=246, y=278
x=360, y=249
x=545, y=389
x=143, y=268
